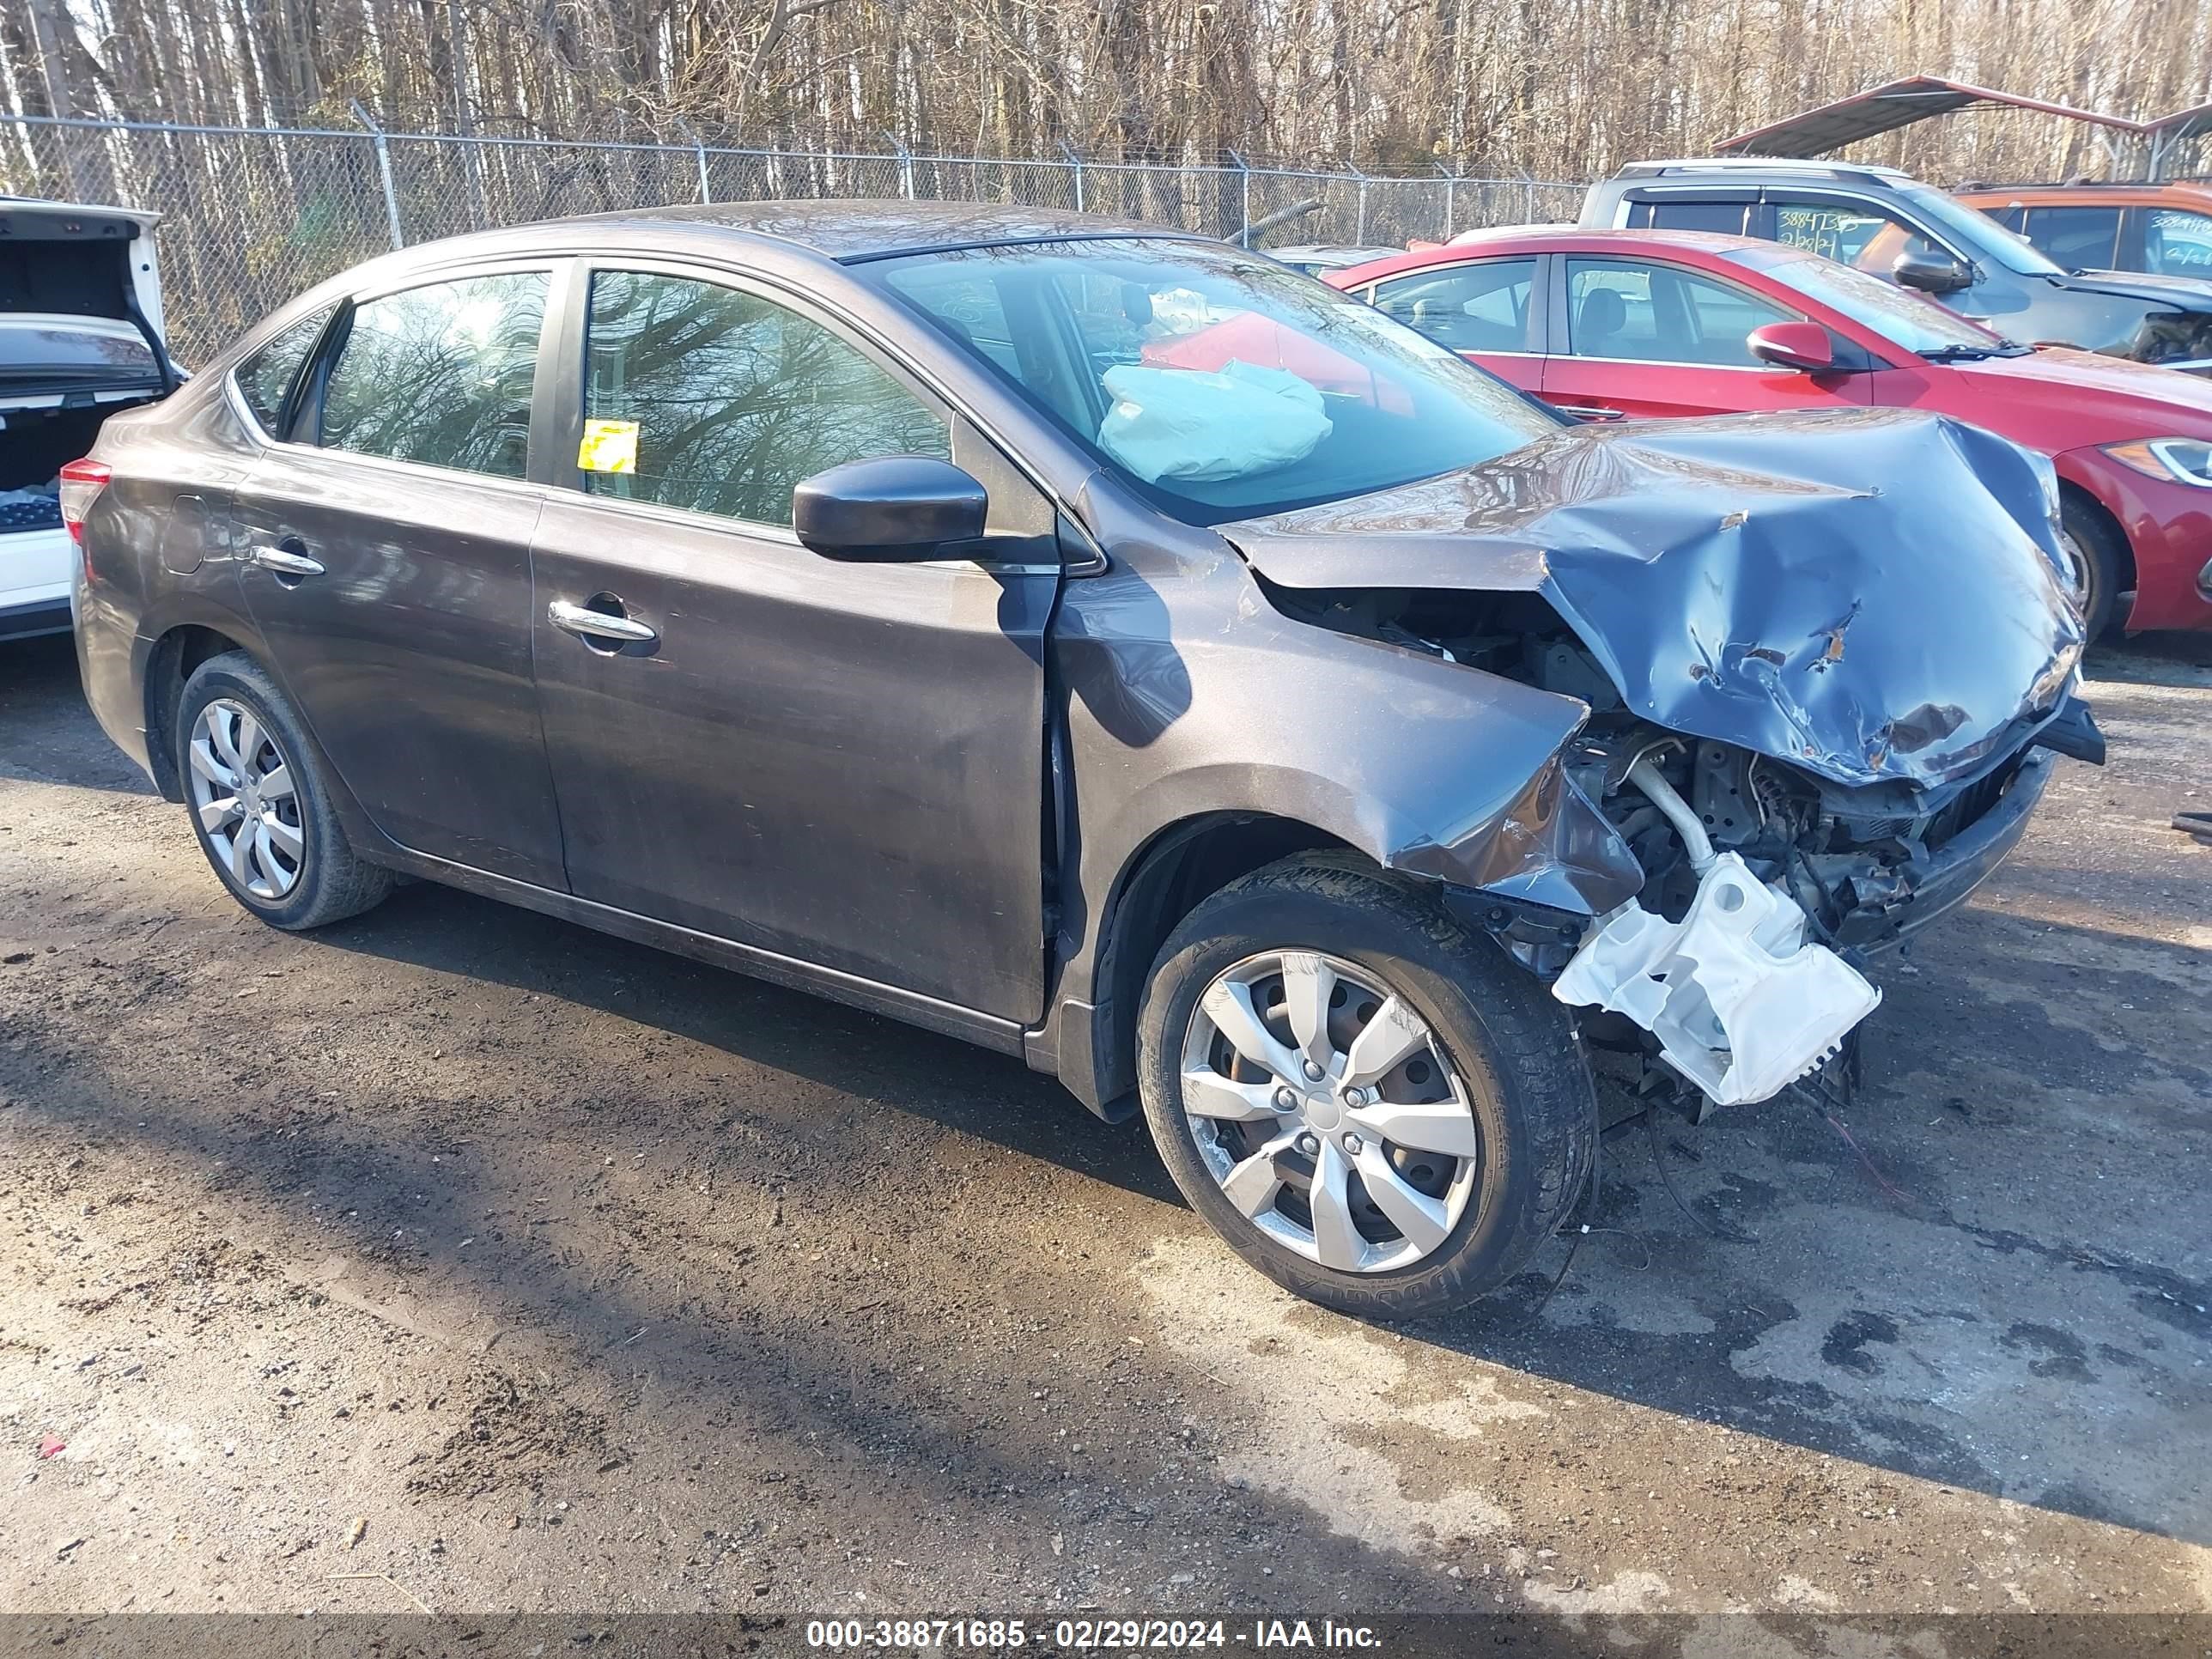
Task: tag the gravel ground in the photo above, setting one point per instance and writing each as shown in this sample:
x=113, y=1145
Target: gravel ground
x=524, y=1268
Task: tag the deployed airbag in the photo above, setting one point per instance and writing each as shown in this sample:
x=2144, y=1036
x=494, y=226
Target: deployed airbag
x=1204, y=426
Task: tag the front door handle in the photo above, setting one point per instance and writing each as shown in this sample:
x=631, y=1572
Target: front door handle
x=282, y=561
x=588, y=624
x=1591, y=411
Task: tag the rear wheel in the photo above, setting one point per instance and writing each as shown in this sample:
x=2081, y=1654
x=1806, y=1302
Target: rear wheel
x=259, y=803
x=1371, y=1105
x=2090, y=544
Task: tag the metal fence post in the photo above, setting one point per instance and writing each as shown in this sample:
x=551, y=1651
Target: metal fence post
x=1528, y=197
x=1359, y=236
x=1244, y=173
x=1074, y=160
x=383, y=172
x=905, y=167
x=698, y=155
x=1451, y=199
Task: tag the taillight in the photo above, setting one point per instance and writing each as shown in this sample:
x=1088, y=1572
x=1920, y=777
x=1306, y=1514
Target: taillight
x=82, y=483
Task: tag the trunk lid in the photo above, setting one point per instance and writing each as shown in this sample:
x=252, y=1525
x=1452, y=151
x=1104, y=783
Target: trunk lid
x=80, y=301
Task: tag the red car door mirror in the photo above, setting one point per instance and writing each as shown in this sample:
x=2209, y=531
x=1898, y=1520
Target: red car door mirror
x=1793, y=345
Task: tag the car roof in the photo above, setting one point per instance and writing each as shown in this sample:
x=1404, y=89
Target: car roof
x=1541, y=239
x=2176, y=193
x=848, y=232
x=1345, y=251
x=1783, y=164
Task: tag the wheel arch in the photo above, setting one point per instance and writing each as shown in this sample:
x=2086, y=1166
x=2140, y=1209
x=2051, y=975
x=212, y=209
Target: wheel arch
x=176, y=652
x=1159, y=884
x=2081, y=495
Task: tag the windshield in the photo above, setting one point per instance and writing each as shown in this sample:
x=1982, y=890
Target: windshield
x=1221, y=384
x=1898, y=314
x=1982, y=235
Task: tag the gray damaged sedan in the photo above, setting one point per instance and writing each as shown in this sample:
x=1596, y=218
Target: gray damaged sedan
x=1105, y=645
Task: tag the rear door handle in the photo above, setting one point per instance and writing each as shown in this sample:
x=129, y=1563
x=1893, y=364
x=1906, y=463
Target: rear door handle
x=283, y=561
x=588, y=624
x=1591, y=411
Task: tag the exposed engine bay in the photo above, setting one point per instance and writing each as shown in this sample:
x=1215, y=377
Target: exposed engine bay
x=1764, y=885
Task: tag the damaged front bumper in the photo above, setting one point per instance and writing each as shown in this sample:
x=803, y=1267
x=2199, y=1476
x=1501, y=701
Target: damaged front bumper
x=1952, y=871
x=1739, y=999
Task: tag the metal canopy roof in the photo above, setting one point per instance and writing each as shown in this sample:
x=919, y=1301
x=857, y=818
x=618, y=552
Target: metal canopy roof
x=2182, y=124
x=1901, y=103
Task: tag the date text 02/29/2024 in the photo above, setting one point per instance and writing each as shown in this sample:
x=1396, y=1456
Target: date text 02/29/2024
x=1086, y=1635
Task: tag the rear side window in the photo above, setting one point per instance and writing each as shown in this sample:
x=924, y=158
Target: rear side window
x=1726, y=217
x=2078, y=238
x=441, y=375
x=2176, y=242
x=264, y=379
x=707, y=399
x=1474, y=308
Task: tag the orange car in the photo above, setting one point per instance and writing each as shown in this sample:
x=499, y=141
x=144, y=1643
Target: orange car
x=2162, y=230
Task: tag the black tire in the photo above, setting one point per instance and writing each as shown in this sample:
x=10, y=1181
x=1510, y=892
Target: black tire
x=1513, y=1047
x=2097, y=567
x=332, y=883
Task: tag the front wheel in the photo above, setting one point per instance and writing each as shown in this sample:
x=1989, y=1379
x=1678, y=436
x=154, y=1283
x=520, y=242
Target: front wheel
x=1370, y=1103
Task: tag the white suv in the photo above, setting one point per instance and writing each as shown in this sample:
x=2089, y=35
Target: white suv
x=80, y=337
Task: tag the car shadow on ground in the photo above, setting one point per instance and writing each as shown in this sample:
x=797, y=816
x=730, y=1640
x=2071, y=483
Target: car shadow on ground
x=957, y=1085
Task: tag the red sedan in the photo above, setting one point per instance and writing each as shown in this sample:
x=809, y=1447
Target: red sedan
x=1615, y=323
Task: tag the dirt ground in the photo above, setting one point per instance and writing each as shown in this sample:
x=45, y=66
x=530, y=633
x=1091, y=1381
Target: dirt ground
x=528, y=1269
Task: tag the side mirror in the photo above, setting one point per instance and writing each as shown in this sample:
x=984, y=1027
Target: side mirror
x=1931, y=273
x=901, y=509
x=1793, y=345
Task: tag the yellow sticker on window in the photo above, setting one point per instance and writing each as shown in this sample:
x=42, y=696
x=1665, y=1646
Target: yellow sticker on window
x=608, y=446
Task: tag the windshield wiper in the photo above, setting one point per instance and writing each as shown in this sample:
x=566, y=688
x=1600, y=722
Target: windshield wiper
x=1974, y=354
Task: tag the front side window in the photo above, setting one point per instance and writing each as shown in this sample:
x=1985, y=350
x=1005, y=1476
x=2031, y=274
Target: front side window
x=2177, y=243
x=1912, y=321
x=1976, y=233
x=1473, y=307
x=1218, y=382
x=2078, y=238
x=718, y=401
x=1860, y=237
x=264, y=378
x=441, y=375
x=1623, y=308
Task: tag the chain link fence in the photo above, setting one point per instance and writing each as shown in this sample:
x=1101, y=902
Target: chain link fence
x=252, y=215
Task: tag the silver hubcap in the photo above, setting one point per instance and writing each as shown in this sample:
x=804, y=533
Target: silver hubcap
x=242, y=793
x=1325, y=1108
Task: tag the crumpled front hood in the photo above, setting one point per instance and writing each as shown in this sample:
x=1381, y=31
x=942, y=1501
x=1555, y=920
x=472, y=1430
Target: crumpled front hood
x=2182, y=293
x=1875, y=595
